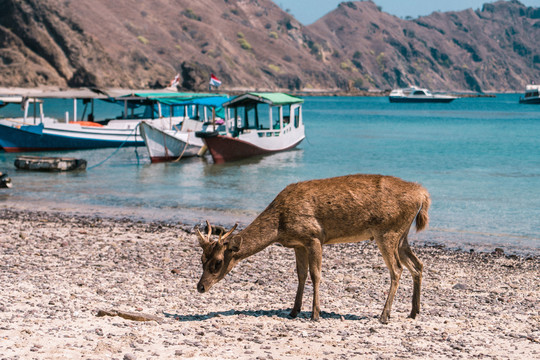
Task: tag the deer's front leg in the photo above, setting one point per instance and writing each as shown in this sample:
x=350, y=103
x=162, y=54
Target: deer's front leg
x=315, y=264
x=302, y=266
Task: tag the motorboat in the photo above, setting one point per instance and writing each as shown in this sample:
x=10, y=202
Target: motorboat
x=179, y=141
x=256, y=124
x=415, y=94
x=531, y=95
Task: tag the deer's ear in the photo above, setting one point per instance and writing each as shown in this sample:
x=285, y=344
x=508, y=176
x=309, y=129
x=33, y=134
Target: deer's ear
x=234, y=243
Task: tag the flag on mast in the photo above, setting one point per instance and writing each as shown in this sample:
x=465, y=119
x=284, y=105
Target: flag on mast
x=175, y=81
x=214, y=81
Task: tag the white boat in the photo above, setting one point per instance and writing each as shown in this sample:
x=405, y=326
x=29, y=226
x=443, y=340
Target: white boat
x=531, y=96
x=36, y=132
x=415, y=94
x=257, y=124
x=176, y=142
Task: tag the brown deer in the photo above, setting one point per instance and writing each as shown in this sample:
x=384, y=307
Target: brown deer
x=307, y=215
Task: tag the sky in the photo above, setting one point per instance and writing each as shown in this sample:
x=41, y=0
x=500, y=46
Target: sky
x=309, y=11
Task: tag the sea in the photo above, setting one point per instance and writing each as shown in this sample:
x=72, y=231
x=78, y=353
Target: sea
x=478, y=157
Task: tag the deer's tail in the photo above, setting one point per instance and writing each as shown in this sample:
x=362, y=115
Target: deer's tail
x=422, y=218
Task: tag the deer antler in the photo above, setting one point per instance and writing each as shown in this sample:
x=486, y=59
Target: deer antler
x=204, y=241
x=222, y=238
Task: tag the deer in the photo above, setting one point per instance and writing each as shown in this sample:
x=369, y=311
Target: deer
x=307, y=215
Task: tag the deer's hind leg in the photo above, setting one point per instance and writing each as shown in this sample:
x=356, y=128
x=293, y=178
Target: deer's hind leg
x=415, y=266
x=302, y=266
x=388, y=245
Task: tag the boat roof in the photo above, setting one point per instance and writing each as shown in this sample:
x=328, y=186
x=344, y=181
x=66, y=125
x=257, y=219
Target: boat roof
x=268, y=98
x=10, y=100
x=178, y=98
x=212, y=101
x=532, y=87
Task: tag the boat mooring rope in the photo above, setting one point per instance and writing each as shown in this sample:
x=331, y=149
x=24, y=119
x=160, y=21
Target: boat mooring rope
x=185, y=147
x=117, y=149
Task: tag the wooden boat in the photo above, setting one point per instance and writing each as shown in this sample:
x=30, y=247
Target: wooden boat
x=257, y=124
x=39, y=163
x=179, y=141
x=36, y=132
x=415, y=94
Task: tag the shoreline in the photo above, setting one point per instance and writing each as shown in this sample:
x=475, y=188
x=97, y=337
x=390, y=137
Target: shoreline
x=60, y=270
x=453, y=240
x=47, y=90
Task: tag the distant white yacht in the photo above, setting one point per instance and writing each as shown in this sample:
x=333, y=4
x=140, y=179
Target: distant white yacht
x=415, y=94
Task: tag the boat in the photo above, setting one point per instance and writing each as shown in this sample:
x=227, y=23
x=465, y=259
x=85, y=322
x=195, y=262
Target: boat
x=531, y=96
x=176, y=142
x=41, y=163
x=415, y=94
x=36, y=132
x=5, y=181
x=256, y=124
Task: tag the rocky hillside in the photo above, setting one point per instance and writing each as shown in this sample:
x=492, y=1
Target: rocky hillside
x=493, y=49
x=254, y=44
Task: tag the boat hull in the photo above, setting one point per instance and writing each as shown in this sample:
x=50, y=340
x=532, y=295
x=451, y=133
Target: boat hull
x=403, y=99
x=225, y=148
x=533, y=101
x=169, y=145
x=39, y=138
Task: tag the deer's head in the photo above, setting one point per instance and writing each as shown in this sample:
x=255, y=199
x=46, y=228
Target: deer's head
x=218, y=256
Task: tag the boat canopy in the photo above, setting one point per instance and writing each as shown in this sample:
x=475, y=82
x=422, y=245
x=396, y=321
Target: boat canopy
x=176, y=98
x=273, y=99
x=213, y=101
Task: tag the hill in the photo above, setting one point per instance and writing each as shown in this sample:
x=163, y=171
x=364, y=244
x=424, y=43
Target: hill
x=493, y=49
x=254, y=44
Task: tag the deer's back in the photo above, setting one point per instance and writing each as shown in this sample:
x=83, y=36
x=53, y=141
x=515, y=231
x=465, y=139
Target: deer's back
x=347, y=208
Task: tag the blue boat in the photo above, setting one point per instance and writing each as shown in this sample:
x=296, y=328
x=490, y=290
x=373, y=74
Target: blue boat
x=40, y=133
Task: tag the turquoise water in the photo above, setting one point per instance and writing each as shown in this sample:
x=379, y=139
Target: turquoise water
x=478, y=157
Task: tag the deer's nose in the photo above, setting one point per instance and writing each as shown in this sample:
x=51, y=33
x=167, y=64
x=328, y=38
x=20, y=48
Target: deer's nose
x=200, y=288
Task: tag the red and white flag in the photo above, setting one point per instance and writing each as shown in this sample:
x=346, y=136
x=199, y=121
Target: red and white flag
x=175, y=81
x=214, y=81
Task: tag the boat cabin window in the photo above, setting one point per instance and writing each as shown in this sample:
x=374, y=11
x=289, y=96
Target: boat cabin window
x=250, y=116
x=138, y=110
x=174, y=110
x=276, y=125
x=418, y=92
x=286, y=115
x=296, y=112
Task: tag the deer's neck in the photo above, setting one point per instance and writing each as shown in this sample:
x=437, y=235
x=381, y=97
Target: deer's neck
x=260, y=234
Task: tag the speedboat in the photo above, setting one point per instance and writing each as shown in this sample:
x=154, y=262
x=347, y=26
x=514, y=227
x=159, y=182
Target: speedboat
x=531, y=95
x=256, y=124
x=415, y=94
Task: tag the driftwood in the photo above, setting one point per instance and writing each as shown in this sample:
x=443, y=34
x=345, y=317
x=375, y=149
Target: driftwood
x=39, y=163
x=128, y=315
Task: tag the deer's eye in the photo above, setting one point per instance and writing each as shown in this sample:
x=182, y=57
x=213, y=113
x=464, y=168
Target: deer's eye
x=216, y=266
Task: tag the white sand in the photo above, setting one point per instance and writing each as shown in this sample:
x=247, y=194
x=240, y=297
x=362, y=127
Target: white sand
x=57, y=271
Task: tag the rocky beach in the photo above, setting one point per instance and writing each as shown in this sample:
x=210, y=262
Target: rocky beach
x=101, y=288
